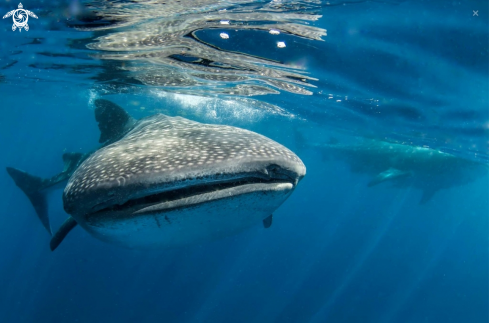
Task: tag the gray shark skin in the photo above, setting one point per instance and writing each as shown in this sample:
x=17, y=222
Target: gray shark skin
x=403, y=165
x=171, y=181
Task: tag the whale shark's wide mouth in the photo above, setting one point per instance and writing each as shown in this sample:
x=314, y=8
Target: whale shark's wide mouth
x=256, y=181
x=184, y=193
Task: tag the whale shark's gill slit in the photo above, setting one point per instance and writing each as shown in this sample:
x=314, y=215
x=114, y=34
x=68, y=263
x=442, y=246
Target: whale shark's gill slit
x=185, y=192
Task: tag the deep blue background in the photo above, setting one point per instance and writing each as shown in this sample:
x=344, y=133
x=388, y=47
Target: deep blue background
x=337, y=250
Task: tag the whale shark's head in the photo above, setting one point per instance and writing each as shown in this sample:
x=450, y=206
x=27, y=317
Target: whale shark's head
x=171, y=181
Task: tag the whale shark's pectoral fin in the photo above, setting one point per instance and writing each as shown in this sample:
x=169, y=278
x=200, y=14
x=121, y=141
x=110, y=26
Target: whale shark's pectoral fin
x=388, y=175
x=65, y=228
x=33, y=186
x=113, y=121
x=427, y=195
x=267, y=222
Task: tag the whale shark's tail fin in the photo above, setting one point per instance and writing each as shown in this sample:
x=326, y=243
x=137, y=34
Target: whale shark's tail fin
x=113, y=121
x=33, y=186
x=36, y=188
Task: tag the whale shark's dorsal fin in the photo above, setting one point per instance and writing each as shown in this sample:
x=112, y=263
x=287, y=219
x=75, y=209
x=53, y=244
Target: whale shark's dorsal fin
x=113, y=121
x=33, y=186
x=390, y=174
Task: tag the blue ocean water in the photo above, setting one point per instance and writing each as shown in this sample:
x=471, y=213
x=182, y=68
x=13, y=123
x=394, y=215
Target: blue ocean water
x=338, y=251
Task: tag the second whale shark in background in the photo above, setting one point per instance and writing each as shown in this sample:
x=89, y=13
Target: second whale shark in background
x=402, y=165
x=168, y=181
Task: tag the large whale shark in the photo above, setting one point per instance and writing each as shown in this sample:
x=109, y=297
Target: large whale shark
x=169, y=181
x=402, y=165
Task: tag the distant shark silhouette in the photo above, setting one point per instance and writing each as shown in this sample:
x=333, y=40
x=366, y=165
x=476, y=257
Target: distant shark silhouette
x=402, y=165
x=167, y=181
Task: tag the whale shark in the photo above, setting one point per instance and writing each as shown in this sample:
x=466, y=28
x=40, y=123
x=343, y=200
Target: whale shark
x=401, y=165
x=163, y=181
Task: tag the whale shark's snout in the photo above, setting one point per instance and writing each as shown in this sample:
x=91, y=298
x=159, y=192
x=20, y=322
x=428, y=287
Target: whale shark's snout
x=172, y=181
